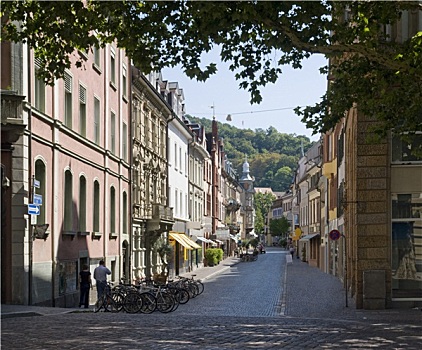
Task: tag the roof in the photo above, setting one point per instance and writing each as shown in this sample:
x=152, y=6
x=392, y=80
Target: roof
x=264, y=190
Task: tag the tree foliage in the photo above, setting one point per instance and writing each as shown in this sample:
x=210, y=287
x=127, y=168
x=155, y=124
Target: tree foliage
x=259, y=222
x=256, y=38
x=272, y=155
x=263, y=203
x=279, y=227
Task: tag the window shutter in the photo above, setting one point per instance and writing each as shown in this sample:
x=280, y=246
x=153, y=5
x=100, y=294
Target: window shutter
x=68, y=83
x=37, y=62
x=82, y=94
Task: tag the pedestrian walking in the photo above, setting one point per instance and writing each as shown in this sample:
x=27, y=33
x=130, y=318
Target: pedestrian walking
x=100, y=276
x=85, y=284
x=292, y=250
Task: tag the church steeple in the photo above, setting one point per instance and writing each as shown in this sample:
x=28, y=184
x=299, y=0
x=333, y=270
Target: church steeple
x=245, y=173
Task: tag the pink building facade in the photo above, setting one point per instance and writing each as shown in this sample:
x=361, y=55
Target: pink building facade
x=74, y=158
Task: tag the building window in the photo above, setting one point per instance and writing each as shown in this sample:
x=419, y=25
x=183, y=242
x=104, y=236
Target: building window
x=406, y=245
x=113, y=67
x=176, y=207
x=175, y=156
x=97, y=121
x=162, y=140
x=124, y=81
x=96, y=208
x=82, y=110
x=68, y=100
x=124, y=142
x=39, y=89
x=407, y=206
x=180, y=159
x=154, y=131
x=124, y=228
x=82, y=204
x=408, y=150
x=97, y=60
x=145, y=121
x=112, y=210
x=181, y=210
x=40, y=176
x=113, y=132
x=68, y=201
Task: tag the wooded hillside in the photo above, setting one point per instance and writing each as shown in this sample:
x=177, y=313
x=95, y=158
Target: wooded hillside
x=272, y=155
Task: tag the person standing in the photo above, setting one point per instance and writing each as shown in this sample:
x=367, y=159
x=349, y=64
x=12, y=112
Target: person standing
x=85, y=284
x=100, y=276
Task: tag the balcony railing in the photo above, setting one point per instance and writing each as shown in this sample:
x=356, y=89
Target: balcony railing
x=234, y=229
x=232, y=205
x=11, y=116
x=161, y=212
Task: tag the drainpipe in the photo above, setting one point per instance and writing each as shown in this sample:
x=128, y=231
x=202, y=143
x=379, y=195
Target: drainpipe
x=129, y=192
x=30, y=178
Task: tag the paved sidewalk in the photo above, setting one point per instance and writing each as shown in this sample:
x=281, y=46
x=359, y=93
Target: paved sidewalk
x=202, y=273
x=311, y=293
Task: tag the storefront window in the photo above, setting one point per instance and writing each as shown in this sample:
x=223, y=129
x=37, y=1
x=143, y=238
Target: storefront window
x=68, y=277
x=407, y=245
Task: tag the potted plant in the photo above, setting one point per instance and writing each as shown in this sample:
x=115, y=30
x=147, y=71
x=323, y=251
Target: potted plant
x=304, y=253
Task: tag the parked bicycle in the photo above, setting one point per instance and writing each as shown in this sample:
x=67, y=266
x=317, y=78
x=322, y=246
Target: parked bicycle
x=148, y=296
x=106, y=301
x=194, y=287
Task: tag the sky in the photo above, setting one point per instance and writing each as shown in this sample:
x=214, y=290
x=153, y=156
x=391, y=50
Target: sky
x=293, y=88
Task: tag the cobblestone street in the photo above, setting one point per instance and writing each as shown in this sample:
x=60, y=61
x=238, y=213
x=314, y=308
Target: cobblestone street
x=159, y=331
x=244, y=306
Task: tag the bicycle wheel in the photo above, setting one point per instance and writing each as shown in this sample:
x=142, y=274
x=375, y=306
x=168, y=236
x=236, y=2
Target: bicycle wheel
x=183, y=295
x=118, y=298
x=149, y=303
x=98, y=304
x=132, y=303
x=200, y=286
x=110, y=305
x=165, y=302
x=193, y=287
x=192, y=290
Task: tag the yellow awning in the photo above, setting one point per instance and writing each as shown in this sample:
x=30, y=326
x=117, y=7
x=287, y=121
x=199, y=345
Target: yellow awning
x=184, y=240
x=193, y=244
x=177, y=236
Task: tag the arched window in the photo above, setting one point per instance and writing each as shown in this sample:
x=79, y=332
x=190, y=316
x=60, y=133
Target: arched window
x=40, y=176
x=68, y=201
x=82, y=204
x=112, y=210
x=96, y=208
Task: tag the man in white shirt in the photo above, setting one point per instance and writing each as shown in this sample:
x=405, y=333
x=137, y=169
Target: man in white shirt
x=100, y=276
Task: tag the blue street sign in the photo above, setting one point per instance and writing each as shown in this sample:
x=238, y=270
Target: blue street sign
x=33, y=209
x=36, y=183
x=37, y=199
